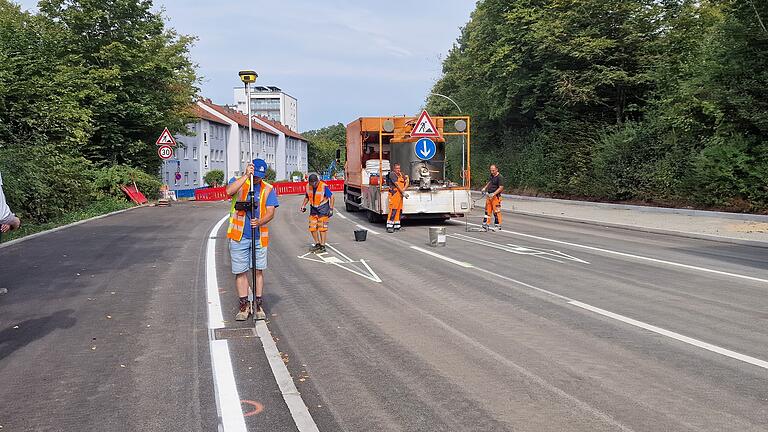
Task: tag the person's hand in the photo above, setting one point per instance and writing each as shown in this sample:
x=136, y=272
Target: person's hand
x=331, y=213
x=255, y=223
x=4, y=228
x=303, y=209
x=407, y=196
x=249, y=169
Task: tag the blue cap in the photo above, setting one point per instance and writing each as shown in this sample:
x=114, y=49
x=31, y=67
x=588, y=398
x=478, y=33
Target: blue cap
x=260, y=168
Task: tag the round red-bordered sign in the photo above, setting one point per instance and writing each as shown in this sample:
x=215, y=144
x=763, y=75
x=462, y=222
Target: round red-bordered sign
x=165, y=152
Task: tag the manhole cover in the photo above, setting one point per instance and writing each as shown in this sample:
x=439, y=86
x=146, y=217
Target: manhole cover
x=234, y=333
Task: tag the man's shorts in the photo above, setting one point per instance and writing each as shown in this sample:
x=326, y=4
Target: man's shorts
x=318, y=223
x=240, y=254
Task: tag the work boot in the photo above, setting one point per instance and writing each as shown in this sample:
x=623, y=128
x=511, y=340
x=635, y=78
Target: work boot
x=245, y=311
x=321, y=248
x=314, y=247
x=485, y=227
x=497, y=227
x=259, y=310
x=390, y=230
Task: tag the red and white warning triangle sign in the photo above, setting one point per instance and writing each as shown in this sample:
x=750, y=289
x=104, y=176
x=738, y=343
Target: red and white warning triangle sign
x=425, y=127
x=166, y=138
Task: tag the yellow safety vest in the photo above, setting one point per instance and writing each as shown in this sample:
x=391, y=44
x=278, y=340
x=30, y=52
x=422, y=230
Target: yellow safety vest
x=237, y=218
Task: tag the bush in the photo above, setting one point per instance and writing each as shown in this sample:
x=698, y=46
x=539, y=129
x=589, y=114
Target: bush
x=41, y=183
x=107, y=181
x=270, y=175
x=214, y=178
x=298, y=174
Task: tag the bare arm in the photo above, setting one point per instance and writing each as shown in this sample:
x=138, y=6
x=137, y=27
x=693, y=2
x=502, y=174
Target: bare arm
x=498, y=191
x=270, y=214
x=235, y=186
x=333, y=201
x=485, y=187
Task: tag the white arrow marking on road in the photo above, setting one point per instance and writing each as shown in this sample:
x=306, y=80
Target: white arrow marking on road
x=325, y=258
x=547, y=254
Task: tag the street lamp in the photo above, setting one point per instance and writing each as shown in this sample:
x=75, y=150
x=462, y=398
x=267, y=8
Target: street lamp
x=463, y=142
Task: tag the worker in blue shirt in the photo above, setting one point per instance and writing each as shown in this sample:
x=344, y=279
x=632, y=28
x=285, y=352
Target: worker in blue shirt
x=241, y=223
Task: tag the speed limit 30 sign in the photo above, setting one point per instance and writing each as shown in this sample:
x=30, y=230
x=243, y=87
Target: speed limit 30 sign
x=165, y=152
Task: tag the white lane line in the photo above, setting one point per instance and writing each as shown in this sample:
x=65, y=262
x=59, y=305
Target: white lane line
x=640, y=257
x=658, y=330
x=225, y=389
x=443, y=257
x=366, y=228
x=297, y=407
x=341, y=215
x=340, y=253
x=670, y=334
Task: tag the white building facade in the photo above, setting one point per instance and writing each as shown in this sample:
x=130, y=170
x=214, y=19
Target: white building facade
x=202, y=150
x=270, y=102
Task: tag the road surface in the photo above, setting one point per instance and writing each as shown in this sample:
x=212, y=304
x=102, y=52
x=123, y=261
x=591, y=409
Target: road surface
x=546, y=326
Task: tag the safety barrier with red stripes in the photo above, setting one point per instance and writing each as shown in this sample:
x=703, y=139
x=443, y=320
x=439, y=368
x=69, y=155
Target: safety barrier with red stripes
x=282, y=188
x=211, y=194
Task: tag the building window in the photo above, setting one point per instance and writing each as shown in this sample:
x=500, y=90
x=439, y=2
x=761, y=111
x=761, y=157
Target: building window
x=206, y=161
x=194, y=153
x=186, y=156
x=195, y=177
x=167, y=177
x=186, y=178
x=205, y=138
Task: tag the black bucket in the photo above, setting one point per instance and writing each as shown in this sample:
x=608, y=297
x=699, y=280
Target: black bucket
x=361, y=235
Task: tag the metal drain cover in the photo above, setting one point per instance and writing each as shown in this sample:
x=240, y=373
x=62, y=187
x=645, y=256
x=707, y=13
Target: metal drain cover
x=234, y=333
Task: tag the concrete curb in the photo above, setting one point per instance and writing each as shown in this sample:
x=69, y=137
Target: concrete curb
x=52, y=230
x=647, y=209
x=685, y=234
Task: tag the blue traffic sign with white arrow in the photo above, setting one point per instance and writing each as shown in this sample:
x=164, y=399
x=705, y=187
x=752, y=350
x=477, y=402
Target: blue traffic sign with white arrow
x=425, y=149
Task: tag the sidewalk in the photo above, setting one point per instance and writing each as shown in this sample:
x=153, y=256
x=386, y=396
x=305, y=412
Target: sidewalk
x=741, y=228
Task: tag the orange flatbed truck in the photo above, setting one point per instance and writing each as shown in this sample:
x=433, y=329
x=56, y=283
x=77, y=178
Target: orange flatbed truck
x=375, y=144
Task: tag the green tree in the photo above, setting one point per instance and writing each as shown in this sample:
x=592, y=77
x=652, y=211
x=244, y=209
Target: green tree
x=322, y=146
x=144, y=77
x=214, y=178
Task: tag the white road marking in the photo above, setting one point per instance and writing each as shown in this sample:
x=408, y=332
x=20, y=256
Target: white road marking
x=640, y=257
x=225, y=389
x=443, y=257
x=551, y=255
x=322, y=258
x=341, y=215
x=366, y=228
x=658, y=330
x=301, y=416
x=670, y=334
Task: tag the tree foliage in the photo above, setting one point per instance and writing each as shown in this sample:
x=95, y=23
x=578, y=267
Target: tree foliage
x=214, y=178
x=85, y=88
x=658, y=100
x=322, y=146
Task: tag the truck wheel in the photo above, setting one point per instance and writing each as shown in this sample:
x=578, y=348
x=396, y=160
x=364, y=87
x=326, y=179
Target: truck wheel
x=350, y=207
x=373, y=217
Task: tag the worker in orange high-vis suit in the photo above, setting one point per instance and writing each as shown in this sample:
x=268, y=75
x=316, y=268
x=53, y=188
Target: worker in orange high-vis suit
x=241, y=223
x=397, y=183
x=493, y=188
x=320, y=200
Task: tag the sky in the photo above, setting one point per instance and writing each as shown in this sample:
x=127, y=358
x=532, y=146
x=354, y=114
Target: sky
x=342, y=59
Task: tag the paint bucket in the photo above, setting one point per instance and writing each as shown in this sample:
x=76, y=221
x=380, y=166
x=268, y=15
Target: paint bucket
x=361, y=235
x=436, y=236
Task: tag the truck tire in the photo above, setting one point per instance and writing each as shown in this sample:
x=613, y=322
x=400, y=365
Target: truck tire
x=373, y=217
x=351, y=208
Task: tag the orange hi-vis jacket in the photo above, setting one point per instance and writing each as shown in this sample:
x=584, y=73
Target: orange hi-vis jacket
x=317, y=196
x=237, y=217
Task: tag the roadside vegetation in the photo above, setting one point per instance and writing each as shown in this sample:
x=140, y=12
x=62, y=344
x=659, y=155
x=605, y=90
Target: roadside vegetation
x=322, y=146
x=85, y=88
x=621, y=100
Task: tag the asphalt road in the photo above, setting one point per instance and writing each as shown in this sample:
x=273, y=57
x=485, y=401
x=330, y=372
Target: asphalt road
x=546, y=326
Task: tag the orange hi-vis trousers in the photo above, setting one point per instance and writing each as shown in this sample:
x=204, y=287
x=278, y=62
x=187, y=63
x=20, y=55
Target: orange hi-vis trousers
x=492, y=207
x=395, y=210
x=318, y=223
